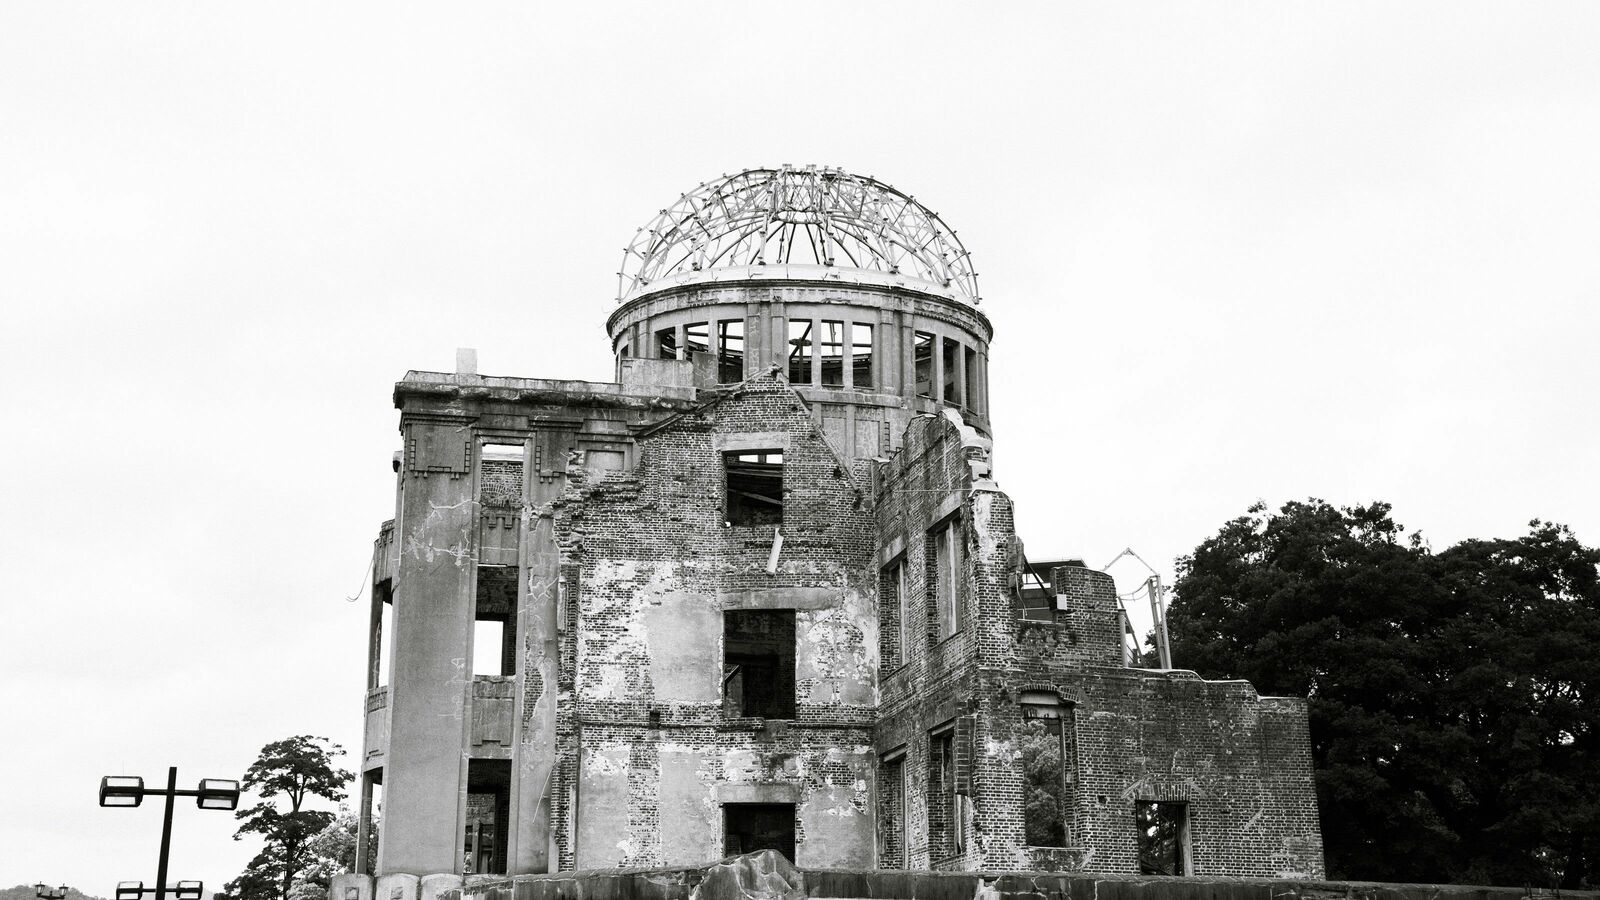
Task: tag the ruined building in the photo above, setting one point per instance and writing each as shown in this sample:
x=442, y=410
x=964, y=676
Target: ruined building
x=764, y=591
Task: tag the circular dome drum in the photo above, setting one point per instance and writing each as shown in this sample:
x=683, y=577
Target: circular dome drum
x=859, y=295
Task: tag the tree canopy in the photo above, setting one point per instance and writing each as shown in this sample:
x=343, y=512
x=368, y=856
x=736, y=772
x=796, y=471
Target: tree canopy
x=288, y=772
x=1452, y=694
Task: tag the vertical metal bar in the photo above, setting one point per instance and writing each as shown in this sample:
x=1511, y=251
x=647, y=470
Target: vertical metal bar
x=1158, y=615
x=166, y=834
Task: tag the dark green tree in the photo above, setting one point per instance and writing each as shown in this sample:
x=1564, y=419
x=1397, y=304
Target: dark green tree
x=286, y=775
x=1452, y=695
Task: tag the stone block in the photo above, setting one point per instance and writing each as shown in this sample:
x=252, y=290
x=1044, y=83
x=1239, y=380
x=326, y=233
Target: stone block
x=350, y=886
x=398, y=886
x=433, y=887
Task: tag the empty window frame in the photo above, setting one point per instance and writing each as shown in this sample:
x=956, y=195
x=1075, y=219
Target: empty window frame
x=667, y=343
x=892, y=793
x=922, y=356
x=969, y=358
x=494, y=626
x=945, y=570
x=500, y=474
x=625, y=352
x=799, y=351
x=946, y=828
x=861, y=355
x=952, y=381
x=758, y=663
x=1163, y=830
x=488, y=814
x=748, y=827
x=382, y=635
x=831, y=353
x=1038, y=599
x=754, y=487
x=730, y=351
x=696, y=339
x=892, y=630
x=1046, y=750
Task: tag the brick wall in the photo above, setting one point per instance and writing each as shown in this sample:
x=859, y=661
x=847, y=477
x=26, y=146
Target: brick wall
x=1240, y=762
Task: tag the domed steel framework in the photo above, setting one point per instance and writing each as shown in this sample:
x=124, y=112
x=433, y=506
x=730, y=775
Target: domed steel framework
x=798, y=216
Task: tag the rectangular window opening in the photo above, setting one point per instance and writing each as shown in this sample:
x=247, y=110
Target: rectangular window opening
x=922, y=354
x=946, y=569
x=667, y=343
x=382, y=634
x=1045, y=753
x=730, y=351
x=483, y=846
x=1038, y=598
x=799, y=351
x=832, y=353
x=945, y=812
x=951, y=384
x=1163, y=829
x=861, y=355
x=891, y=614
x=758, y=663
x=500, y=474
x=754, y=487
x=494, y=625
x=970, y=395
x=748, y=827
x=892, y=813
x=369, y=812
x=695, y=339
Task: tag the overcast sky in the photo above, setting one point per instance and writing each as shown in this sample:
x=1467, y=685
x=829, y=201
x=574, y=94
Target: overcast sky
x=1231, y=251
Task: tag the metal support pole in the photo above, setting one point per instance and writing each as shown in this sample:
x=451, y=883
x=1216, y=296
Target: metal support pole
x=166, y=833
x=1158, y=615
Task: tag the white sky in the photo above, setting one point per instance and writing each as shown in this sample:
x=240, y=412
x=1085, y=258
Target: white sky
x=1231, y=251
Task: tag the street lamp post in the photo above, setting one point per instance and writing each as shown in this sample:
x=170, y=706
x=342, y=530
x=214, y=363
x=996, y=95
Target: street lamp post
x=183, y=890
x=124, y=790
x=45, y=892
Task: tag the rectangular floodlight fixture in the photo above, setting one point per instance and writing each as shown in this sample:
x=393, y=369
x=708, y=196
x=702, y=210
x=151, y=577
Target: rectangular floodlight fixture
x=130, y=890
x=188, y=890
x=217, y=793
x=121, y=790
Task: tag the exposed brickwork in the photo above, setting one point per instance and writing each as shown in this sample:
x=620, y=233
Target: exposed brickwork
x=500, y=482
x=910, y=655
x=1242, y=763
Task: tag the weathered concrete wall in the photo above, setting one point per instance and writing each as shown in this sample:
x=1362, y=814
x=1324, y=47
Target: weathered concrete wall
x=649, y=754
x=432, y=620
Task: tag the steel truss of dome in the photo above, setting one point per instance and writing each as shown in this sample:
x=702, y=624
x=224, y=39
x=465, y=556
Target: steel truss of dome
x=798, y=216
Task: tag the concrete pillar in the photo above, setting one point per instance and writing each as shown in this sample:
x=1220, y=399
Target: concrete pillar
x=816, y=351
x=848, y=377
x=755, y=338
x=908, y=363
x=537, y=621
x=433, y=608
